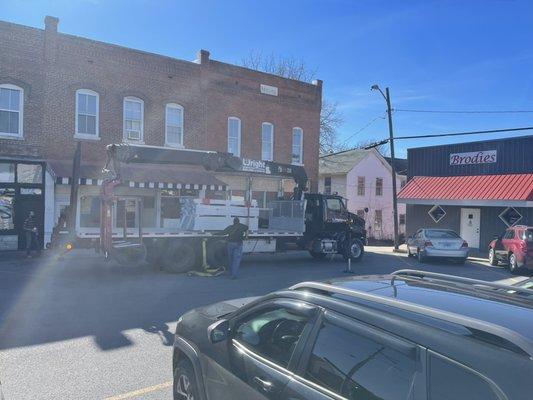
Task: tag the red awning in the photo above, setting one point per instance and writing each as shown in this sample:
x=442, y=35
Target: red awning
x=515, y=189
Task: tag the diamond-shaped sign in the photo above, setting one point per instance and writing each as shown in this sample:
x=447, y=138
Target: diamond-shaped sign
x=436, y=213
x=510, y=216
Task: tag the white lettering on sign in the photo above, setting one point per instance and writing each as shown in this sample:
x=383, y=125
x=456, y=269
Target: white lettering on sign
x=475, y=157
x=271, y=90
x=249, y=165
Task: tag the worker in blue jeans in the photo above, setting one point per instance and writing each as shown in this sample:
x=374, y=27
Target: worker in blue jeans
x=235, y=233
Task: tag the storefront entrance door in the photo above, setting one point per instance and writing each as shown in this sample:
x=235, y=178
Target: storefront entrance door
x=127, y=212
x=23, y=206
x=470, y=224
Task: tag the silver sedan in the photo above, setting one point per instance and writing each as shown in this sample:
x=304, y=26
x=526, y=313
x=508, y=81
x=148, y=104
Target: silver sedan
x=443, y=243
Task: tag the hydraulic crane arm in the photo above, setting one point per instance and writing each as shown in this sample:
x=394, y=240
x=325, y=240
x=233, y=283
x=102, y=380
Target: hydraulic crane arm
x=118, y=154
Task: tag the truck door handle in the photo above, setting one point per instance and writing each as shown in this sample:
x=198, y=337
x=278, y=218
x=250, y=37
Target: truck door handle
x=264, y=385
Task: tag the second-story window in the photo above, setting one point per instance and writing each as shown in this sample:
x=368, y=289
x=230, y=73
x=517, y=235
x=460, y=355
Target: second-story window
x=327, y=185
x=234, y=136
x=11, y=101
x=86, y=114
x=174, y=125
x=267, y=139
x=133, y=119
x=297, y=146
x=360, y=185
x=379, y=186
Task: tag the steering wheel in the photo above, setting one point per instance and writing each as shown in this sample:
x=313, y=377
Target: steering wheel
x=284, y=330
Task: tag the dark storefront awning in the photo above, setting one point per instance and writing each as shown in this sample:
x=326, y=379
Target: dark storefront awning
x=142, y=176
x=479, y=190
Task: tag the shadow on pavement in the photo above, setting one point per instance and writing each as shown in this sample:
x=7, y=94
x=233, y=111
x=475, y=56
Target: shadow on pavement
x=52, y=300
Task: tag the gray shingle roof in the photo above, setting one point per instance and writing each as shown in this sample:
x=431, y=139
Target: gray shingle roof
x=341, y=162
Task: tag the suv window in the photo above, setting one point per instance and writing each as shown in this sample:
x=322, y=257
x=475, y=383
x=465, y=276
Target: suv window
x=528, y=235
x=509, y=234
x=451, y=381
x=360, y=368
x=272, y=333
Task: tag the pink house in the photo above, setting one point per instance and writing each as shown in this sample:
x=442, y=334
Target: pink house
x=363, y=178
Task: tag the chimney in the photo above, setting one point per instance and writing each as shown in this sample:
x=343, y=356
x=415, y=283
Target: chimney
x=50, y=24
x=203, y=57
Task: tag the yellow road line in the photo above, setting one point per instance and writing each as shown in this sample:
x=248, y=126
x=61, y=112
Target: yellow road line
x=140, y=392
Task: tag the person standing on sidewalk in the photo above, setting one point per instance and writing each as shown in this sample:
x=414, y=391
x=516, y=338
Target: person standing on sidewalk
x=235, y=233
x=32, y=236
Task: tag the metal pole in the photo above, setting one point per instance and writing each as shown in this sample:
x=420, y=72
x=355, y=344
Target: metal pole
x=394, y=195
x=74, y=185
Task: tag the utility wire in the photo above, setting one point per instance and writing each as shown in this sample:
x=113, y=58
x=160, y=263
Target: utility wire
x=465, y=111
x=527, y=128
x=363, y=128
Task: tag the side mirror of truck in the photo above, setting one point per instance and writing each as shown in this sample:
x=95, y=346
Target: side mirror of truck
x=219, y=331
x=497, y=237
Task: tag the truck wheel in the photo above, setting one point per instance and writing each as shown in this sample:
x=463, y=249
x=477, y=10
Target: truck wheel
x=513, y=264
x=184, y=384
x=317, y=256
x=217, y=254
x=355, y=251
x=133, y=256
x=179, y=257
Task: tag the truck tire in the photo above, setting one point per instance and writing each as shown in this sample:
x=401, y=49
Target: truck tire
x=355, y=251
x=130, y=256
x=217, y=254
x=317, y=256
x=179, y=257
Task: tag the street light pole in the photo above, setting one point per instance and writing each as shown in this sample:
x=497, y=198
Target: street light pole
x=386, y=95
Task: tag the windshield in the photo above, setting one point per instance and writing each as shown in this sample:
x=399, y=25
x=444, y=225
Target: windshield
x=439, y=234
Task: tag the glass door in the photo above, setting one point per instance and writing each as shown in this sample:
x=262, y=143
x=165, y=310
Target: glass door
x=127, y=213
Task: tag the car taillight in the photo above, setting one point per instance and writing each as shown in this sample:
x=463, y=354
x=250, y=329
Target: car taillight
x=427, y=243
x=465, y=244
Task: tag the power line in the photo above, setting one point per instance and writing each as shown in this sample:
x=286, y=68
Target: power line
x=527, y=128
x=363, y=128
x=465, y=111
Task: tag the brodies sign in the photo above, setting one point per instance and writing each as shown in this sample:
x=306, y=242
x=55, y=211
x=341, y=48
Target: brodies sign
x=475, y=157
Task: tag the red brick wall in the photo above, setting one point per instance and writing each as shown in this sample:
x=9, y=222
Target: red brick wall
x=51, y=66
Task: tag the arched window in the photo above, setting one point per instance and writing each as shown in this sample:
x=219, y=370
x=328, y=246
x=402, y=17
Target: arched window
x=87, y=114
x=267, y=140
x=173, y=125
x=234, y=136
x=133, y=119
x=297, y=145
x=11, y=110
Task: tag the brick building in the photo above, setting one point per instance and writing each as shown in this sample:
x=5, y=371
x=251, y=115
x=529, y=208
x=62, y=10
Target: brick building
x=58, y=89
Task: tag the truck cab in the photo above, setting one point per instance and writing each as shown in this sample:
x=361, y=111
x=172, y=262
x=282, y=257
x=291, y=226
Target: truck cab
x=330, y=228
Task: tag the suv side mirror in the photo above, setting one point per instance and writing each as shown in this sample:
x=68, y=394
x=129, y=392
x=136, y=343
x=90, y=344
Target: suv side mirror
x=497, y=237
x=219, y=331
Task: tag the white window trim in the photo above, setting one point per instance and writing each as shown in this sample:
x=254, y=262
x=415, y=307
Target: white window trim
x=124, y=137
x=301, y=162
x=20, y=134
x=271, y=142
x=238, y=137
x=78, y=135
x=177, y=107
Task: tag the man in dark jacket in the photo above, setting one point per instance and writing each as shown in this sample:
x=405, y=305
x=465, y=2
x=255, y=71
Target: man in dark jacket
x=235, y=233
x=30, y=228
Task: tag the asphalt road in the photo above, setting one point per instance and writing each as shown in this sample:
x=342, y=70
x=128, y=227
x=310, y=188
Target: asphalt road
x=82, y=328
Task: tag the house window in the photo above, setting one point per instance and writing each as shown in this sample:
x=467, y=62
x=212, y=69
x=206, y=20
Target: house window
x=267, y=137
x=86, y=114
x=297, y=146
x=360, y=185
x=402, y=219
x=378, y=220
x=234, y=136
x=11, y=108
x=174, y=125
x=327, y=185
x=133, y=119
x=379, y=186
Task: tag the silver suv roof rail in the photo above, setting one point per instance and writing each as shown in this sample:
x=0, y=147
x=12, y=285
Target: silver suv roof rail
x=525, y=344
x=412, y=273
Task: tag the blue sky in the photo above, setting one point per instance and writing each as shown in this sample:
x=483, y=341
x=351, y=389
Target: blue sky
x=437, y=55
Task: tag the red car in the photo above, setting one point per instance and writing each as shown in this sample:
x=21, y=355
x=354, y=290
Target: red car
x=514, y=247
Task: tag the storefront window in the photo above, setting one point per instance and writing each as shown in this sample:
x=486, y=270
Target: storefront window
x=149, y=212
x=7, y=209
x=510, y=216
x=170, y=208
x=436, y=213
x=90, y=212
x=7, y=173
x=29, y=173
x=215, y=194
